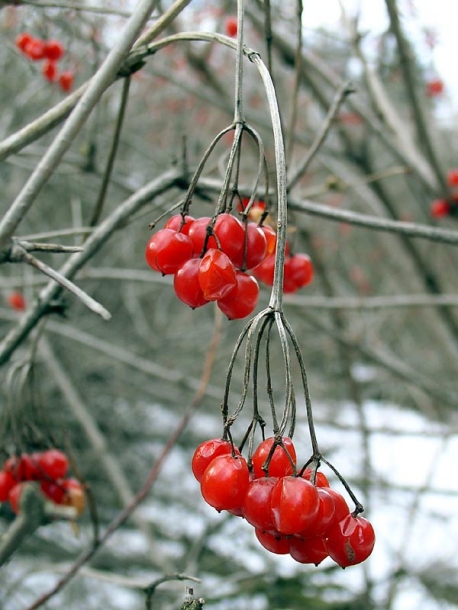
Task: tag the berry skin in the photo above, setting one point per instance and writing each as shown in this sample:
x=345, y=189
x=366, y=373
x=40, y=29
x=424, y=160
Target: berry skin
x=341, y=509
x=186, y=284
x=14, y=497
x=230, y=233
x=49, y=70
x=23, y=40
x=242, y=302
x=206, y=452
x=273, y=542
x=53, y=490
x=308, y=550
x=280, y=465
x=7, y=482
x=452, y=177
x=16, y=301
x=53, y=50
x=53, y=464
x=217, y=276
x=66, y=80
x=325, y=517
x=271, y=239
x=264, y=272
x=231, y=26
x=298, y=272
x=294, y=505
x=321, y=479
x=176, y=223
x=256, y=505
x=35, y=50
x=225, y=482
x=350, y=541
x=198, y=233
x=254, y=247
x=440, y=208
x=168, y=250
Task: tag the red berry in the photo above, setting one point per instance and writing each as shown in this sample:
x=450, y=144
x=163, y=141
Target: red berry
x=225, y=482
x=30, y=467
x=280, y=464
x=231, y=26
x=321, y=479
x=452, y=177
x=23, y=40
x=341, y=509
x=206, y=452
x=16, y=301
x=217, y=276
x=49, y=70
x=35, y=50
x=434, y=87
x=308, y=550
x=256, y=505
x=7, y=482
x=298, y=272
x=350, y=541
x=54, y=490
x=231, y=235
x=168, y=250
x=271, y=239
x=198, y=233
x=53, y=50
x=241, y=303
x=273, y=542
x=16, y=467
x=176, y=223
x=14, y=496
x=53, y=464
x=294, y=505
x=66, y=80
x=254, y=248
x=440, y=208
x=186, y=284
x=325, y=517
x=264, y=272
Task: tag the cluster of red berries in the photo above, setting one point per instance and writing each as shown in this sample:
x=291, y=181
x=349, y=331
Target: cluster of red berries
x=51, y=51
x=296, y=514
x=447, y=207
x=49, y=468
x=211, y=263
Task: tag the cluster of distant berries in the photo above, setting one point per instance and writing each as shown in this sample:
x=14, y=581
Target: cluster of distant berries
x=447, y=207
x=50, y=52
x=48, y=468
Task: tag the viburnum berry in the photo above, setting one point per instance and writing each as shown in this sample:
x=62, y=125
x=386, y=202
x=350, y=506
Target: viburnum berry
x=49, y=70
x=254, y=247
x=434, y=87
x=186, y=284
x=217, y=276
x=308, y=550
x=231, y=26
x=440, y=208
x=14, y=496
x=198, y=233
x=350, y=541
x=325, y=517
x=15, y=465
x=225, y=482
x=65, y=80
x=53, y=464
x=294, y=504
x=54, y=490
x=242, y=302
x=255, y=212
x=35, y=50
x=168, y=250
x=23, y=40
x=321, y=480
x=177, y=223
x=271, y=239
x=452, y=177
x=53, y=50
x=230, y=233
x=264, y=272
x=16, y=301
x=298, y=272
x=341, y=509
x=273, y=541
x=7, y=482
x=256, y=504
x=282, y=460
x=207, y=451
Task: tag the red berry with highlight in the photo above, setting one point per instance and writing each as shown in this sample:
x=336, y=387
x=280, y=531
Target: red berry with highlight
x=206, y=452
x=225, y=482
x=350, y=541
x=280, y=464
